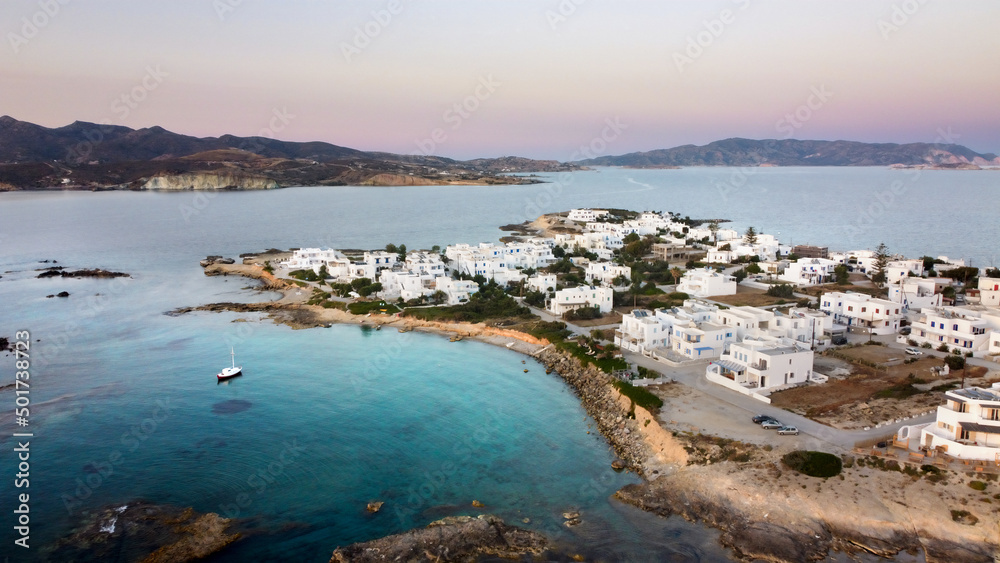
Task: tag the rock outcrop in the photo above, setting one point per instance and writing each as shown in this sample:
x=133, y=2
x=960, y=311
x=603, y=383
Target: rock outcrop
x=209, y=181
x=459, y=538
x=141, y=531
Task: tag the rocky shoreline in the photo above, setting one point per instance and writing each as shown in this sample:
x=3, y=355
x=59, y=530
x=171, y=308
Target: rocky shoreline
x=151, y=533
x=765, y=512
x=458, y=538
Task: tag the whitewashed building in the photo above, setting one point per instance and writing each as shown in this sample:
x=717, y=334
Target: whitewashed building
x=458, y=291
x=566, y=300
x=989, y=291
x=763, y=365
x=701, y=340
x=545, y=283
x=809, y=271
x=807, y=327
x=585, y=215
x=707, y=282
x=745, y=321
x=861, y=311
x=967, y=426
x=641, y=331
x=917, y=293
x=964, y=328
x=605, y=273
x=337, y=265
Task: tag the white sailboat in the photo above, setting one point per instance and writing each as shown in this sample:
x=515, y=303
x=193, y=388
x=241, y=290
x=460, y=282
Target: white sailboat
x=233, y=371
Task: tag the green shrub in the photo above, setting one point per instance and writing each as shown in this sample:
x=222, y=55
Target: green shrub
x=781, y=290
x=365, y=307
x=639, y=396
x=813, y=464
x=977, y=485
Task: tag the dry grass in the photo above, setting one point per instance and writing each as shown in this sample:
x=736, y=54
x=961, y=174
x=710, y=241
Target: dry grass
x=750, y=297
x=872, y=394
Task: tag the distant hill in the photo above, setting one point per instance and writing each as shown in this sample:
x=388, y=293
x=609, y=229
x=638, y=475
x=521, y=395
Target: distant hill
x=93, y=156
x=792, y=152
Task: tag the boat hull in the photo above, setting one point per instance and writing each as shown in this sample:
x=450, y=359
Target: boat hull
x=229, y=373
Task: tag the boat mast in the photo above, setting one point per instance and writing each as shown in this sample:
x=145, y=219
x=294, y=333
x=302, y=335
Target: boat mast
x=232, y=352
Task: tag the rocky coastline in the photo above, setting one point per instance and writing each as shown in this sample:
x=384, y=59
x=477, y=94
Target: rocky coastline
x=458, y=538
x=765, y=511
x=146, y=532
x=60, y=271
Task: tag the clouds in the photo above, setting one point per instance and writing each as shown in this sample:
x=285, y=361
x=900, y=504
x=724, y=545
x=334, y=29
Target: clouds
x=756, y=62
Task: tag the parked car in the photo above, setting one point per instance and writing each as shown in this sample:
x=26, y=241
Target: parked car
x=839, y=341
x=914, y=352
x=761, y=418
x=791, y=430
x=771, y=424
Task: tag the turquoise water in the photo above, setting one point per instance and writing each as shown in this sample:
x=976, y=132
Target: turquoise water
x=326, y=420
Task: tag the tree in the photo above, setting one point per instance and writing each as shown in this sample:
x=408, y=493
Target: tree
x=841, y=274
x=750, y=236
x=558, y=251
x=370, y=289
x=713, y=227
x=619, y=280
x=359, y=283
x=391, y=248
x=753, y=268
x=323, y=274
x=676, y=272
x=781, y=290
x=992, y=272
x=726, y=246
x=880, y=264
x=402, y=252
x=439, y=297
x=740, y=275
x=631, y=237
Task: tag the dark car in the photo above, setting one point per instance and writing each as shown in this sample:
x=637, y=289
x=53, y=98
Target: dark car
x=760, y=418
x=839, y=341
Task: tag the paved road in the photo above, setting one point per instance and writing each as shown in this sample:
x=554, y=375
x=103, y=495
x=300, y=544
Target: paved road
x=744, y=407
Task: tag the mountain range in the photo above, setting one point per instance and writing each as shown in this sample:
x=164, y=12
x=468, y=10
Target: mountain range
x=792, y=152
x=86, y=155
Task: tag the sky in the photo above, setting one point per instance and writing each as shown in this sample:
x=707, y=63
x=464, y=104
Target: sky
x=557, y=79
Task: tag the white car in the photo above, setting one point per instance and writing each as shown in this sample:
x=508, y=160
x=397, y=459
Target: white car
x=791, y=430
x=914, y=352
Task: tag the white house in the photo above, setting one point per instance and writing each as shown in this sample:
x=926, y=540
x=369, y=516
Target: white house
x=707, y=282
x=809, y=271
x=870, y=314
x=337, y=265
x=641, y=331
x=762, y=365
x=544, y=283
x=963, y=328
x=488, y=260
x=585, y=215
x=700, y=340
x=989, y=291
x=405, y=284
x=967, y=426
x=917, y=293
x=692, y=310
x=566, y=300
x=458, y=291
x=605, y=273
x=425, y=263
x=897, y=270
x=745, y=321
x=805, y=326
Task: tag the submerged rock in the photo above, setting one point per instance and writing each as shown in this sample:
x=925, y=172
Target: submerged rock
x=231, y=406
x=141, y=531
x=375, y=505
x=458, y=538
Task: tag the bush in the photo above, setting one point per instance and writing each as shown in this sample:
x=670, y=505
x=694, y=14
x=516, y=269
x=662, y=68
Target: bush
x=639, y=395
x=813, y=464
x=781, y=290
x=977, y=485
x=365, y=307
x=942, y=348
x=583, y=314
x=305, y=275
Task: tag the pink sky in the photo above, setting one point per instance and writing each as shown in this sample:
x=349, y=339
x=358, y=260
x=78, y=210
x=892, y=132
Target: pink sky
x=492, y=78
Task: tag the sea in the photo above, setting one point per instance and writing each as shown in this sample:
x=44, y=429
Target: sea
x=125, y=405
